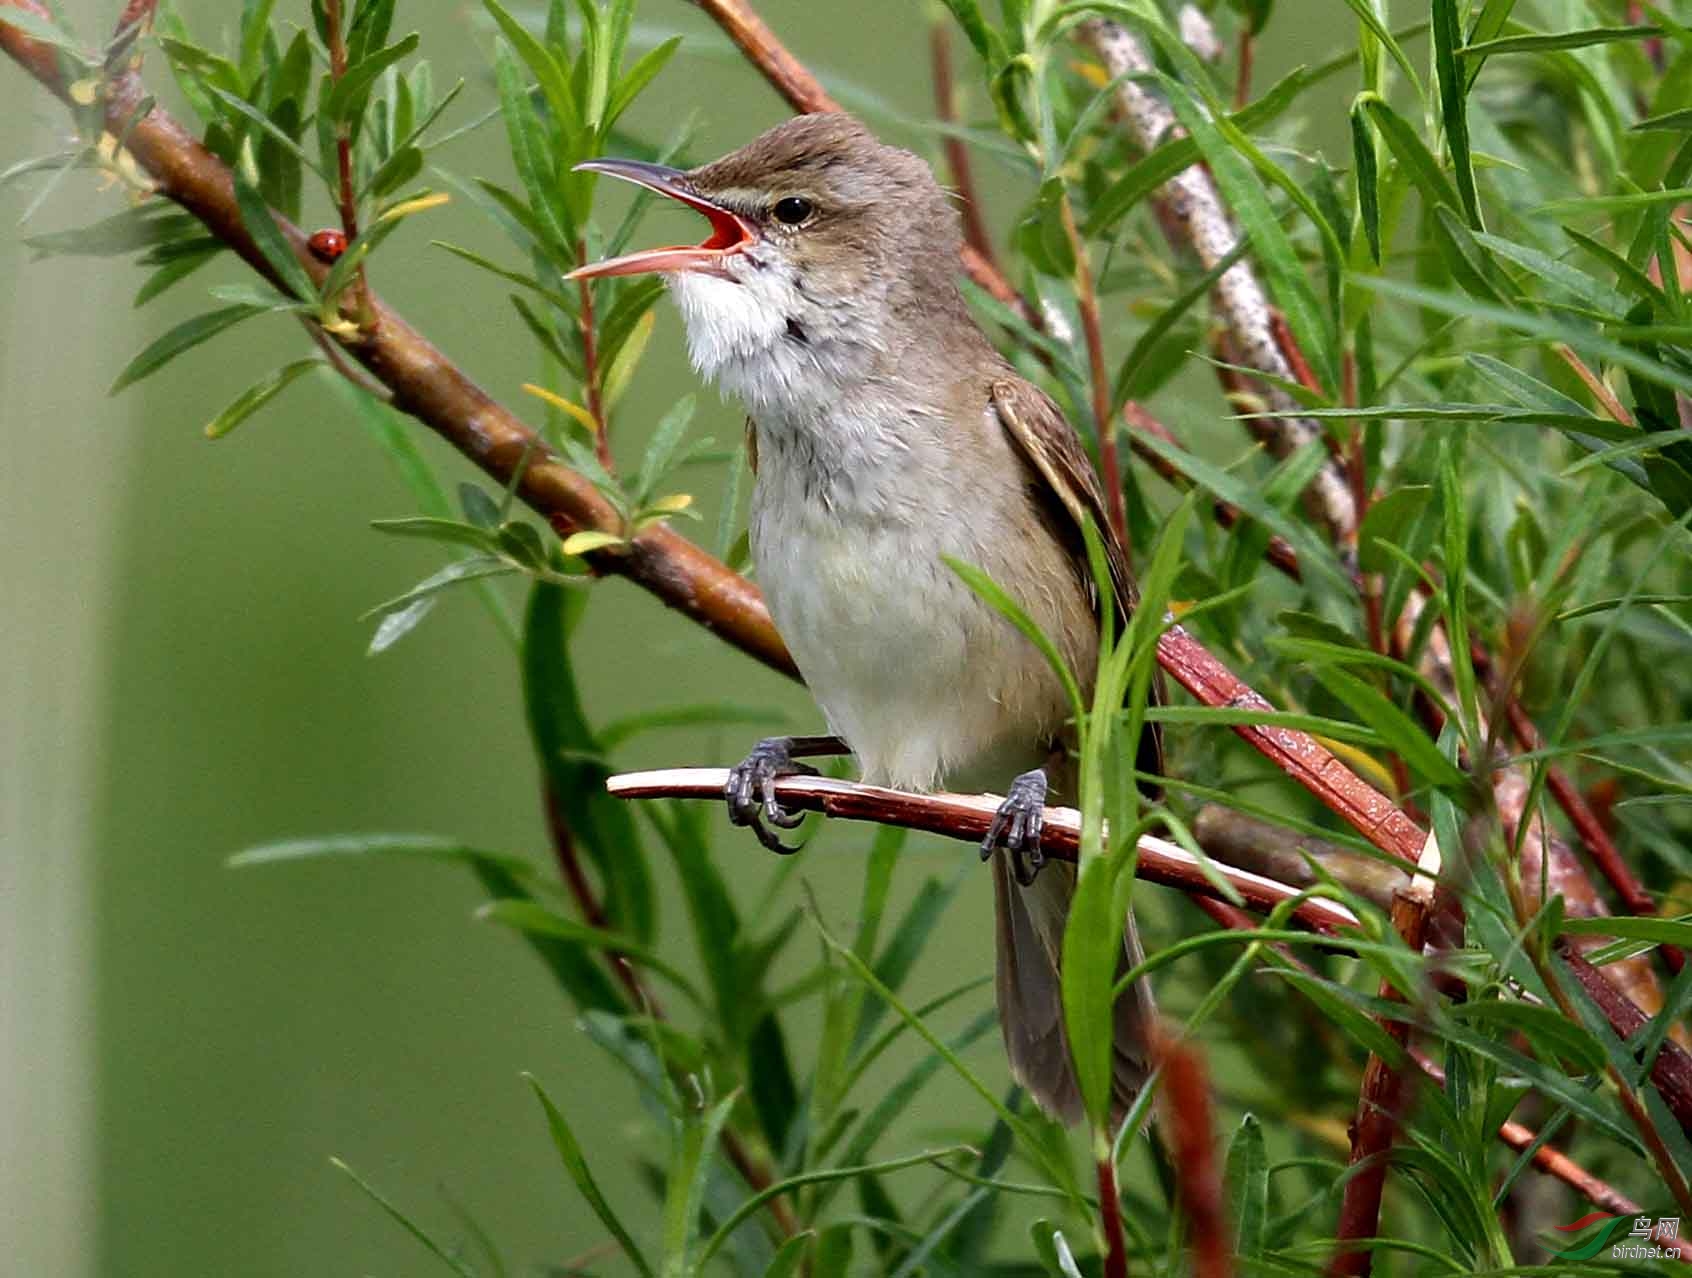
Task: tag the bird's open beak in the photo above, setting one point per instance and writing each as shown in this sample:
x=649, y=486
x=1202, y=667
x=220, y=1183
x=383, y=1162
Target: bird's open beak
x=729, y=232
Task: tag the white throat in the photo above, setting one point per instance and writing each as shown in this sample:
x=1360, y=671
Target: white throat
x=761, y=338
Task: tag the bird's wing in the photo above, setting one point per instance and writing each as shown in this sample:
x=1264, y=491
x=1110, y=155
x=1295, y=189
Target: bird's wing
x=1053, y=450
x=1071, y=487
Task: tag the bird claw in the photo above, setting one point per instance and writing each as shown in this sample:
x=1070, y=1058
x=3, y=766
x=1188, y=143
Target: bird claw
x=1018, y=826
x=751, y=797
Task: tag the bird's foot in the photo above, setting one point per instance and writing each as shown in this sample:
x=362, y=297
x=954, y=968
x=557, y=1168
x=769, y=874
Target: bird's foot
x=751, y=795
x=1018, y=825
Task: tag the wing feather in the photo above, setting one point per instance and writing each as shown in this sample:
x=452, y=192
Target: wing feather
x=1071, y=487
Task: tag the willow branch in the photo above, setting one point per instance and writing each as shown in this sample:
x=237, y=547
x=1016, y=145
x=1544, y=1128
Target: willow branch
x=1671, y=1071
x=967, y=816
x=956, y=150
x=1384, y=1094
x=1546, y=1160
x=1193, y=210
x=1286, y=855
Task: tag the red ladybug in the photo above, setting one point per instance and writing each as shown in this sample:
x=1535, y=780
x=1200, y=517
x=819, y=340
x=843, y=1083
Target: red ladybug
x=327, y=245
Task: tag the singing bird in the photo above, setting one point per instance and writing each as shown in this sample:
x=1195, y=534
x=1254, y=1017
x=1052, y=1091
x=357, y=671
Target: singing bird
x=887, y=434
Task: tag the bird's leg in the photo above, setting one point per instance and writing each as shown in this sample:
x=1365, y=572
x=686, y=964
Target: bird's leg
x=1020, y=821
x=750, y=790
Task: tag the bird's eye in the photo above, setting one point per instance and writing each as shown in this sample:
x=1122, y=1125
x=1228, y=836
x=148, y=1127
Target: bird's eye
x=793, y=209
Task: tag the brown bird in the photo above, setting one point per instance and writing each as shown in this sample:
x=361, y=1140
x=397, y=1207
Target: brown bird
x=888, y=433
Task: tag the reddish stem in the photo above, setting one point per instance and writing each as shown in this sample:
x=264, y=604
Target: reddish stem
x=1190, y=1128
x=1605, y=855
x=1087, y=305
x=957, y=152
x=346, y=191
x=1379, y=1105
x=1242, y=77
x=590, y=366
x=1110, y=1219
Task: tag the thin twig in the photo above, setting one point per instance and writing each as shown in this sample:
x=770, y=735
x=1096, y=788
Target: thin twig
x=590, y=366
x=1191, y=1127
x=956, y=149
x=1383, y=1096
x=1087, y=305
x=346, y=188
x=757, y=1176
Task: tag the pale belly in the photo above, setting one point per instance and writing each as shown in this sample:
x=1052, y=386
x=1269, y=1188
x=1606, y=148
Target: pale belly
x=927, y=684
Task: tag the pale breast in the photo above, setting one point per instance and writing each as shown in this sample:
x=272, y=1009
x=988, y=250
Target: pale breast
x=927, y=683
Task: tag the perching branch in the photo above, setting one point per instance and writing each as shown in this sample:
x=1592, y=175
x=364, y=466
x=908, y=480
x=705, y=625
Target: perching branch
x=967, y=816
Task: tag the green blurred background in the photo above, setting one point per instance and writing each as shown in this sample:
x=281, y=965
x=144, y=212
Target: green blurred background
x=183, y=1046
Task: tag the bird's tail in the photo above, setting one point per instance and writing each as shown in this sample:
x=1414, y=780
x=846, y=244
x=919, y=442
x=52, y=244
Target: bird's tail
x=1030, y=922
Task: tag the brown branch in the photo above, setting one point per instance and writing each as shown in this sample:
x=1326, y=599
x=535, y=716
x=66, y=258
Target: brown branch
x=1285, y=855
x=1192, y=213
x=1299, y=755
x=758, y=1177
x=1190, y=1124
x=1672, y=1069
x=967, y=816
x=957, y=151
x=1548, y=1161
x=1384, y=1095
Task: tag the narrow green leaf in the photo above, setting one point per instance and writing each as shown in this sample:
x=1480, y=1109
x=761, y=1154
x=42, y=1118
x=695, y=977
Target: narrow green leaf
x=427, y=847
x=348, y=97
x=1366, y=15
x=1368, y=179
x=446, y=1257
x=575, y=1164
x=183, y=337
x=1413, y=155
x=1661, y=931
x=554, y=83
x=570, y=756
x=397, y=624
x=690, y=1164
x=257, y=396
x=641, y=74
x=1453, y=95
x=537, y=920
x=1245, y=1182
x=1550, y=41
x=261, y=225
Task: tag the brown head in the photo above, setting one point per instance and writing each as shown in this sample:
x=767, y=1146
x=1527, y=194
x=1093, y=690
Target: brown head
x=820, y=191
x=820, y=234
